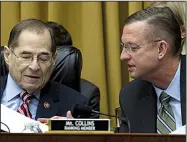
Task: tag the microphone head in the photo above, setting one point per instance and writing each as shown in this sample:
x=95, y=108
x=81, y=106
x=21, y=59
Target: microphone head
x=79, y=109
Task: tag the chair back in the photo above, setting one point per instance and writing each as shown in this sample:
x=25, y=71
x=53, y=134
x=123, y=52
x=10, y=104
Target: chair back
x=3, y=67
x=68, y=66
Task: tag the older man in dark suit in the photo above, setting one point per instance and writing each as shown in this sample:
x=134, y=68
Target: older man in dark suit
x=155, y=102
x=30, y=56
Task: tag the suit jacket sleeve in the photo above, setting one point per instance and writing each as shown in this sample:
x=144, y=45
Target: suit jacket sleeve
x=94, y=101
x=91, y=91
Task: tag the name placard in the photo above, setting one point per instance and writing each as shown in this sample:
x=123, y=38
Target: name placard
x=79, y=125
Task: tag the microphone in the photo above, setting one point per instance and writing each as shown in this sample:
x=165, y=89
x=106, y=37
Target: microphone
x=87, y=110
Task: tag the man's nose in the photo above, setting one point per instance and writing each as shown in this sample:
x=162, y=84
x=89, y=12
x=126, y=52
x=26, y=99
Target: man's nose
x=34, y=65
x=125, y=55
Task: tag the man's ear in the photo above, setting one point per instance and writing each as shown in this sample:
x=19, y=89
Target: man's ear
x=54, y=58
x=7, y=54
x=183, y=32
x=162, y=49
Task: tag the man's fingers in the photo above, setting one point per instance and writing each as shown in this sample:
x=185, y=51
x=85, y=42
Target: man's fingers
x=43, y=120
x=55, y=117
x=69, y=115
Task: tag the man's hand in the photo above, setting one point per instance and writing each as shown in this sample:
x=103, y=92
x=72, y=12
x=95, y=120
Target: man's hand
x=45, y=120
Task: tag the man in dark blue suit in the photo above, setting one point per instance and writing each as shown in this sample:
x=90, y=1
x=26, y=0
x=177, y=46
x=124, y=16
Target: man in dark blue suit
x=155, y=101
x=30, y=56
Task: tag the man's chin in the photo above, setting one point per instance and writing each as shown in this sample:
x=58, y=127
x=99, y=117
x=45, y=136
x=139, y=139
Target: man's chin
x=132, y=75
x=135, y=76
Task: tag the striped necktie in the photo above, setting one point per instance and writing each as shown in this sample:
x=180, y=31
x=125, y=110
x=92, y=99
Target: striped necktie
x=165, y=116
x=24, y=107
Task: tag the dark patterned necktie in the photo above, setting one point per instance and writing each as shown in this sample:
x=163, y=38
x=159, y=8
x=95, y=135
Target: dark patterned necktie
x=165, y=117
x=24, y=107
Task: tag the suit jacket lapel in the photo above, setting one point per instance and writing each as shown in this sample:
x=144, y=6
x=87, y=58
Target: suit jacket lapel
x=183, y=89
x=49, y=102
x=147, y=110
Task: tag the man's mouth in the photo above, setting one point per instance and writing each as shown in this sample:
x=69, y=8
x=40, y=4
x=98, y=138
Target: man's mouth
x=130, y=66
x=32, y=76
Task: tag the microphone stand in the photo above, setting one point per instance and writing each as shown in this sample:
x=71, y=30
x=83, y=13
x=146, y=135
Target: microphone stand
x=123, y=119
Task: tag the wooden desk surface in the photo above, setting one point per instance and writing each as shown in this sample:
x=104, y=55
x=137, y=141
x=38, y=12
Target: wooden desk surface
x=89, y=137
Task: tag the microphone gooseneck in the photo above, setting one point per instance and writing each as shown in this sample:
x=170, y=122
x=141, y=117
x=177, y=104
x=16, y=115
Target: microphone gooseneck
x=97, y=112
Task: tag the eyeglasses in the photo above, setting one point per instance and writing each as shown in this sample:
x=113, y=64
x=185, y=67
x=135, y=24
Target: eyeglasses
x=134, y=47
x=27, y=59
